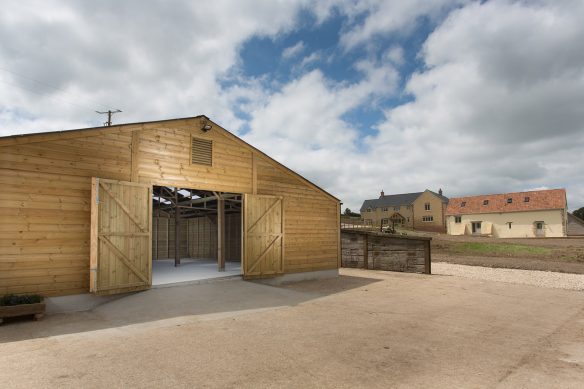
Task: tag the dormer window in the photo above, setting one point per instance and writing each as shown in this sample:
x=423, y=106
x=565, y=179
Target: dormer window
x=509, y=200
x=526, y=199
x=485, y=202
x=463, y=204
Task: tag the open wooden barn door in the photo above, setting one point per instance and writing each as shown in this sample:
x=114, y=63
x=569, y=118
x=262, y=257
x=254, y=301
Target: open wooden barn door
x=263, y=226
x=120, y=246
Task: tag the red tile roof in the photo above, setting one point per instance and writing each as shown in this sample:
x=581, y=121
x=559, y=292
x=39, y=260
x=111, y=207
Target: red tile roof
x=538, y=200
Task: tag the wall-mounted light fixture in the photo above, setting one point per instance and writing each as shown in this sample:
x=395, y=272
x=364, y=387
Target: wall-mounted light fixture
x=206, y=127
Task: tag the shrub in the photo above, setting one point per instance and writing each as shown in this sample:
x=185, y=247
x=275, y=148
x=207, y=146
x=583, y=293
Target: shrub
x=14, y=299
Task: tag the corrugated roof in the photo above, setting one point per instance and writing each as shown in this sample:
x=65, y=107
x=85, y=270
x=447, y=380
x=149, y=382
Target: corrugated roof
x=497, y=203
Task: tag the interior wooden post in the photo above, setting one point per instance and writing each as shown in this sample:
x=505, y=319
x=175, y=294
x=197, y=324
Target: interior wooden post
x=221, y=234
x=188, y=238
x=157, y=226
x=176, y=229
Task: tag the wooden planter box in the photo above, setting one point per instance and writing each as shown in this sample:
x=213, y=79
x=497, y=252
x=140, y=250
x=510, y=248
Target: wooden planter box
x=38, y=310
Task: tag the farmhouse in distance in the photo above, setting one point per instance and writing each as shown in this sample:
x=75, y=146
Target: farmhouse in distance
x=541, y=213
x=420, y=211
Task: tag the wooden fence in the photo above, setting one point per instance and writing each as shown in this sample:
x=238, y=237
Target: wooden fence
x=381, y=251
x=198, y=237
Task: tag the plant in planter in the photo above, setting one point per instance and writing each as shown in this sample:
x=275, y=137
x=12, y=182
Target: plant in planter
x=12, y=305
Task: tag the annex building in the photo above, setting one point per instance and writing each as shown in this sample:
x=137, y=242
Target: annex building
x=541, y=213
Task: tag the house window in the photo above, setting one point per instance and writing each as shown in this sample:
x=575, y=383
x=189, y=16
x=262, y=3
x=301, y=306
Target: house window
x=368, y=209
x=509, y=224
x=384, y=209
x=526, y=199
x=457, y=219
x=384, y=221
x=509, y=200
x=368, y=222
x=485, y=202
x=396, y=208
x=463, y=204
x=427, y=206
x=427, y=218
x=539, y=226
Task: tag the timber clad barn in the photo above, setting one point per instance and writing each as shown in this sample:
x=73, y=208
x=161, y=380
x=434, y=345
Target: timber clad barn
x=103, y=209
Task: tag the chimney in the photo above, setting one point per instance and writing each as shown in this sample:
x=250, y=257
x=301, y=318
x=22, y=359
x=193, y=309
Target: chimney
x=440, y=191
x=382, y=193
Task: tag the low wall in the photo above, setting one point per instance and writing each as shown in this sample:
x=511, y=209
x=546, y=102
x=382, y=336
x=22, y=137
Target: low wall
x=380, y=251
x=575, y=226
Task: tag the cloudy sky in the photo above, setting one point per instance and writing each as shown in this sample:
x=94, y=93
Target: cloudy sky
x=358, y=96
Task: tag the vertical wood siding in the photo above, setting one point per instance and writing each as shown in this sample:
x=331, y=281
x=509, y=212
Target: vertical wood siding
x=202, y=238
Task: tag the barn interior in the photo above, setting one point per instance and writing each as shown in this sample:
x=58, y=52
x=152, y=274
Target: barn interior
x=196, y=234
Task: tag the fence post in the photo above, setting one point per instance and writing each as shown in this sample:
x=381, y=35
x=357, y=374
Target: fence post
x=365, y=251
x=427, y=258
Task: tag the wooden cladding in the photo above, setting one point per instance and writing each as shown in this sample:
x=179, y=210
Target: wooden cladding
x=201, y=151
x=45, y=217
x=198, y=237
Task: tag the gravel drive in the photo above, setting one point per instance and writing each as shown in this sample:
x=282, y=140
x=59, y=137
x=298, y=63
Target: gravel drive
x=544, y=279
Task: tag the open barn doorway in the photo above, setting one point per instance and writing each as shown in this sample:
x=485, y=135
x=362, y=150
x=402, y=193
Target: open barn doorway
x=196, y=234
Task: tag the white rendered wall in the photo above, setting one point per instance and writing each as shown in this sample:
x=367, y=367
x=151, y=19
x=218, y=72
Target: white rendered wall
x=522, y=224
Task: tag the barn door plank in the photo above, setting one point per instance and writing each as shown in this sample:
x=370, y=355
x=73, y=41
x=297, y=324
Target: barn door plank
x=126, y=261
x=121, y=205
x=263, y=236
x=120, y=246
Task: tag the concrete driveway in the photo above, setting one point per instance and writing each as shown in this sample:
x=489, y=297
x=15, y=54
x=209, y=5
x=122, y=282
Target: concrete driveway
x=364, y=329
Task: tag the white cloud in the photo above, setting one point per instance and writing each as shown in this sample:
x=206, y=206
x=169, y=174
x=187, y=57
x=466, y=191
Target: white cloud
x=162, y=62
x=391, y=16
x=302, y=125
x=310, y=59
x=293, y=51
x=498, y=107
x=395, y=55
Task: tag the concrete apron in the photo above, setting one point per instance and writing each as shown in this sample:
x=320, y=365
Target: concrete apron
x=88, y=301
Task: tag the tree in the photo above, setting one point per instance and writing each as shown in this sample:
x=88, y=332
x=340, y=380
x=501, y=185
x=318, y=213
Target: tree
x=348, y=212
x=579, y=213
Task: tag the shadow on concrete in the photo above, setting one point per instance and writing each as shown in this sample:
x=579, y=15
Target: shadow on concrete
x=230, y=297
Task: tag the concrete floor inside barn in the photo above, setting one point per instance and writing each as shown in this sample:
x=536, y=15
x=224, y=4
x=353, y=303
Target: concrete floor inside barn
x=165, y=273
x=363, y=329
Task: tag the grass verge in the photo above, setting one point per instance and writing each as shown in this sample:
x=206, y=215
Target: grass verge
x=499, y=249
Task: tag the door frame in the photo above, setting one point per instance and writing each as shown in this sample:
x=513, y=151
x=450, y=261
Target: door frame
x=193, y=187
x=476, y=227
